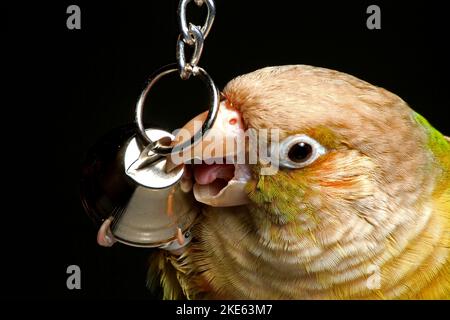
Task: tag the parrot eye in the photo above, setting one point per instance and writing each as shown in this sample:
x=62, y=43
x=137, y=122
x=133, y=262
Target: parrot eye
x=299, y=150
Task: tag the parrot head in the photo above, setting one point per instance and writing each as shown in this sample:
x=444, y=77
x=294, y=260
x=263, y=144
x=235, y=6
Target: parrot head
x=313, y=185
x=346, y=196
x=345, y=158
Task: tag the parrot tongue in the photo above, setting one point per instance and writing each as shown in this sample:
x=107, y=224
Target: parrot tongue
x=206, y=174
x=220, y=185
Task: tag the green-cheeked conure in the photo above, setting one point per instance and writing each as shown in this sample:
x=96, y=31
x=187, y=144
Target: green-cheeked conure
x=359, y=207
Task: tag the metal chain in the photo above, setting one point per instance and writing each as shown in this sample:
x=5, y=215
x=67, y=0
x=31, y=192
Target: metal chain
x=193, y=36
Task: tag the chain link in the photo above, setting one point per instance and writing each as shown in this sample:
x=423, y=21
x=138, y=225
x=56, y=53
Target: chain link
x=193, y=36
x=186, y=69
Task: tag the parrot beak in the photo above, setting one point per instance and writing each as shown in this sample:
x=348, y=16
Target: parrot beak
x=215, y=166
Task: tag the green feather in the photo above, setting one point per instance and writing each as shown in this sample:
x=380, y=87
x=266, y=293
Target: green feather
x=438, y=143
x=162, y=277
x=440, y=147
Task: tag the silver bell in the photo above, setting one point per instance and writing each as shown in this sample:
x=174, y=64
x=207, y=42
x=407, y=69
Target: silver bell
x=125, y=186
x=127, y=191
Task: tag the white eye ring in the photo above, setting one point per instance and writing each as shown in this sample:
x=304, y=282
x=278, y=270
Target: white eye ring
x=286, y=145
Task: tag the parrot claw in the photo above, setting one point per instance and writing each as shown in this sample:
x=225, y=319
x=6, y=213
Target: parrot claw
x=105, y=237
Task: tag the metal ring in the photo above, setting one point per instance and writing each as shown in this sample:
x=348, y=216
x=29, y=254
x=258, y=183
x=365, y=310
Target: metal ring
x=211, y=117
x=183, y=22
x=186, y=69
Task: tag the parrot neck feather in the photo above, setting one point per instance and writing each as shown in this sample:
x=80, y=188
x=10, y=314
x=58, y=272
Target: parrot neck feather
x=234, y=258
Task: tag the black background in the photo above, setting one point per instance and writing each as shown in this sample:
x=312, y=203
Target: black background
x=67, y=88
